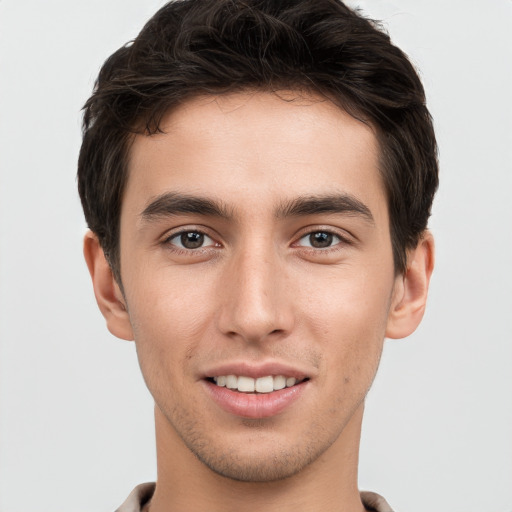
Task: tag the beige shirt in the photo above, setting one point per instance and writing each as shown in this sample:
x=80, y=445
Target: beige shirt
x=143, y=492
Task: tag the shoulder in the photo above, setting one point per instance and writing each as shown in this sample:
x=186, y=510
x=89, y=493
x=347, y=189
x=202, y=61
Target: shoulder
x=374, y=502
x=138, y=498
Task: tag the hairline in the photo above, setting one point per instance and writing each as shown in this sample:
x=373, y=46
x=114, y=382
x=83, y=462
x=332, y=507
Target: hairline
x=140, y=127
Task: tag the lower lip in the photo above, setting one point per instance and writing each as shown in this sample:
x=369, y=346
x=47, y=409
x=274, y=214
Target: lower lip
x=254, y=405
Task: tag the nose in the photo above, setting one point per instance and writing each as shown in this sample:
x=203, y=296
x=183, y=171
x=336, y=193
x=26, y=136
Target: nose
x=255, y=305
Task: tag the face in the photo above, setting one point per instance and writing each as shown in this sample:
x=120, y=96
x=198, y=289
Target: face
x=258, y=277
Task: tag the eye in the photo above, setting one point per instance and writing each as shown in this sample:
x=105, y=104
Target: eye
x=319, y=240
x=190, y=240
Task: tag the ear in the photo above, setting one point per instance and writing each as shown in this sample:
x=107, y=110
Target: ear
x=411, y=290
x=108, y=294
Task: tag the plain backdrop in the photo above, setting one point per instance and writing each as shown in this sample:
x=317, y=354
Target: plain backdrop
x=76, y=421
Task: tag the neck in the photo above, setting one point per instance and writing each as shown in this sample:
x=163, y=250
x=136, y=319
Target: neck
x=328, y=484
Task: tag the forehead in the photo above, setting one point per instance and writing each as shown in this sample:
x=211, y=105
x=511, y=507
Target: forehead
x=255, y=148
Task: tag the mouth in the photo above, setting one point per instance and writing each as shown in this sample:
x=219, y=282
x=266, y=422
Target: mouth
x=260, y=385
x=256, y=390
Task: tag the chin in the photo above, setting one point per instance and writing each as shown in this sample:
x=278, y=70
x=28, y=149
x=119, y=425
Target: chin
x=260, y=458
x=271, y=468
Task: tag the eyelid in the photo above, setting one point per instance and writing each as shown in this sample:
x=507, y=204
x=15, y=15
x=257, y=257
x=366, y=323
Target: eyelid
x=177, y=236
x=307, y=235
x=344, y=236
x=169, y=235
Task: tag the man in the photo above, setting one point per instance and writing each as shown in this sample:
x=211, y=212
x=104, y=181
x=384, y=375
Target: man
x=257, y=176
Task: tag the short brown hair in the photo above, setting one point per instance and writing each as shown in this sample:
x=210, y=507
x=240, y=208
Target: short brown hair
x=196, y=47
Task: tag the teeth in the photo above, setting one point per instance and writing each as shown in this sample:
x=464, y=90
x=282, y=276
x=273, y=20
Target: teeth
x=279, y=382
x=290, y=381
x=264, y=384
x=246, y=384
x=249, y=385
x=232, y=382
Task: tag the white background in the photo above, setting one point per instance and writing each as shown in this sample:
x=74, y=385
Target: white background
x=76, y=426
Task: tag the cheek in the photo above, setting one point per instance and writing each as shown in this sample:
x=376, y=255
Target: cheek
x=166, y=305
x=349, y=318
x=349, y=302
x=168, y=320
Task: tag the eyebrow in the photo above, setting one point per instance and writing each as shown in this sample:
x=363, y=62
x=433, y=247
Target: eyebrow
x=174, y=203
x=345, y=204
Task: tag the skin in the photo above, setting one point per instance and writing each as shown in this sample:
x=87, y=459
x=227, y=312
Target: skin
x=257, y=291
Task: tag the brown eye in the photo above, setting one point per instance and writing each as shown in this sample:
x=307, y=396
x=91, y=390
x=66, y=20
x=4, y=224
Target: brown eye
x=190, y=240
x=319, y=240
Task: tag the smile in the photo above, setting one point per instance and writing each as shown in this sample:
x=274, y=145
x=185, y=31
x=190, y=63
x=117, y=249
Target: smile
x=245, y=384
x=259, y=395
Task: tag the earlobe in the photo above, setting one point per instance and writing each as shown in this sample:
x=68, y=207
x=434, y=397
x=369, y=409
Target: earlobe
x=411, y=290
x=108, y=294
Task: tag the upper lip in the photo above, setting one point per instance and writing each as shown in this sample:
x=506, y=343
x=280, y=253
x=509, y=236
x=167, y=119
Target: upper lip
x=256, y=370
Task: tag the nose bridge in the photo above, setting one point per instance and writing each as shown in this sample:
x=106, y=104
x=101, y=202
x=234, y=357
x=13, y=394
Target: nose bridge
x=255, y=304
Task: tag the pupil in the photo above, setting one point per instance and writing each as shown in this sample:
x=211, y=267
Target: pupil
x=320, y=239
x=192, y=240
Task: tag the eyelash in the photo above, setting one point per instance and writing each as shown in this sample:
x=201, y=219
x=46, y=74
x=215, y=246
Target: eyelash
x=185, y=250
x=341, y=240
